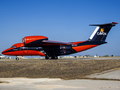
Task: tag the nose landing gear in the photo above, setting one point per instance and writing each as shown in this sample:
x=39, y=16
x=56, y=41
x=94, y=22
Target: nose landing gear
x=17, y=58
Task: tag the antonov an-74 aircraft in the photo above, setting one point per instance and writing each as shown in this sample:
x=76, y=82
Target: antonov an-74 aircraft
x=40, y=45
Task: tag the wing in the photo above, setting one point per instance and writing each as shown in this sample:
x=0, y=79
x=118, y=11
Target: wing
x=51, y=42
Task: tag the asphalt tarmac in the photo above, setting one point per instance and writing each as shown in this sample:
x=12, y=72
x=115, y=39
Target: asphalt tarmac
x=57, y=84
x=109, y=74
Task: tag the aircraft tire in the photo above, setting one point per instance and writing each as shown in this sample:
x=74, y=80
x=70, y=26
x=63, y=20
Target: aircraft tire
x=54, y=57
x=17, y=58
x=46, y=57
x=51, y=57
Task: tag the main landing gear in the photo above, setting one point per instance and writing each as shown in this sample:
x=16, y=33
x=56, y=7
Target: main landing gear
x=51, y=57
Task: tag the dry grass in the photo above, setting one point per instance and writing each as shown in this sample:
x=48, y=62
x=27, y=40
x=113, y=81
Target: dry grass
x=65, y=69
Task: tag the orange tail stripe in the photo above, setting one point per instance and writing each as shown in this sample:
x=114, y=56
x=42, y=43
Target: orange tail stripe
x=82, y=48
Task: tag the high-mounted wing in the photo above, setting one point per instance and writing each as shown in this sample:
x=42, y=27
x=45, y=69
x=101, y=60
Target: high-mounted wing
x=51, y=42
x=37, y=41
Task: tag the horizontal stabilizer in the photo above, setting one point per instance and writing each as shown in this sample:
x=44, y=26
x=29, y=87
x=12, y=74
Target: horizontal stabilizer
x=113, y=24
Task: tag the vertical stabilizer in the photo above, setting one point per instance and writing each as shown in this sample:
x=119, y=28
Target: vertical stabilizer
x=101, y=31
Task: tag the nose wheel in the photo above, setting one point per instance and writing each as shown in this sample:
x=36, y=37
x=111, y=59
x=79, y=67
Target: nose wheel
x=17, y=58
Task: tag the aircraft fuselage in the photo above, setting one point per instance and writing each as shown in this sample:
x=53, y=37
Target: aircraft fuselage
x=40, y=45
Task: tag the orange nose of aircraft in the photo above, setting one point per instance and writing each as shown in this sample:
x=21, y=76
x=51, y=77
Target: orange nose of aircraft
x=6, y=52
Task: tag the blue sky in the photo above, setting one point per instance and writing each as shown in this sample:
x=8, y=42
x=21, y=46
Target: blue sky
x=60, y=20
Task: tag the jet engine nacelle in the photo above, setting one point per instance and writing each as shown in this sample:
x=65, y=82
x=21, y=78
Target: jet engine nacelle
x=33, y=40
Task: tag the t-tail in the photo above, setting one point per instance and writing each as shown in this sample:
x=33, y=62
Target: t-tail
x=101, y=32
x=97, y=38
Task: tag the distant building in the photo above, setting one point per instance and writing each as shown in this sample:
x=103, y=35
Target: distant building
x=68, y=57
x=2, y=57
x=96, y=55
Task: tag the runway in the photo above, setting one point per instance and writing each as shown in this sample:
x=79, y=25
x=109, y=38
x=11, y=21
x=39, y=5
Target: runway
x=96, y=58
x=86, y=58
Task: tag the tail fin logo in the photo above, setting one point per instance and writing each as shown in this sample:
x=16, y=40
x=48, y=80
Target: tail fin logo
x=101, y=32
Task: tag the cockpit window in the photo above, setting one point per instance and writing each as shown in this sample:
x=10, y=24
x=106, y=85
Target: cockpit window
x=13, y=47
